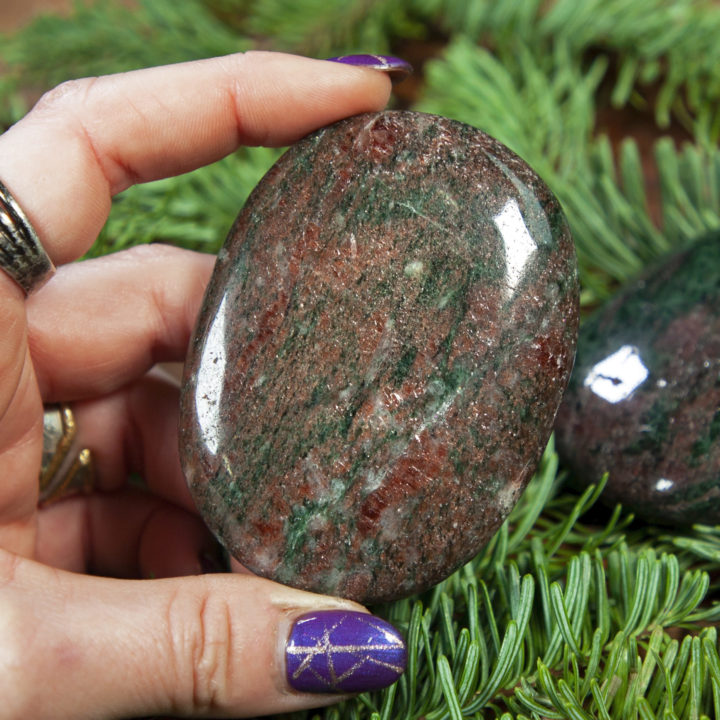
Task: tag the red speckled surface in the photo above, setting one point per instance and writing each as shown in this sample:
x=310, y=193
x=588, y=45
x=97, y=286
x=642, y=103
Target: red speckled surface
x=380, y=356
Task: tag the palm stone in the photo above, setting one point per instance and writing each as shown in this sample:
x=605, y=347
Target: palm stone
x=644, y=400
x=380, y=356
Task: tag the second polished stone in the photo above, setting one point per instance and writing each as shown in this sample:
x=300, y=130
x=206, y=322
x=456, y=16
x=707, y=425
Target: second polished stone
x=380, y=356
x=644, y=400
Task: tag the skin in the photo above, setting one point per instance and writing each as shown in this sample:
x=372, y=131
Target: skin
x=76, y=645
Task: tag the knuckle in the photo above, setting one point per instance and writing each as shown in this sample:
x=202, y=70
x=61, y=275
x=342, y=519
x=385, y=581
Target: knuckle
x=201, y=636
x=67, y=94
x=164, y=306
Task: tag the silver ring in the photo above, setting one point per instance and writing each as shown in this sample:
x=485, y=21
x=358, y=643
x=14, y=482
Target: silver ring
x=22, y=256
x=66, y=469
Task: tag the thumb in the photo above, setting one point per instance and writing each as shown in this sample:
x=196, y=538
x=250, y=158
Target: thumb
x=77, y=646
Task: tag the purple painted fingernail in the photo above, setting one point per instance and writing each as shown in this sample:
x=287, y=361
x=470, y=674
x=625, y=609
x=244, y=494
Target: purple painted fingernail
x=336, y=651
x=397, y=68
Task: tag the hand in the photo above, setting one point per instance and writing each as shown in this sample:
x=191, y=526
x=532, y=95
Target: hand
x=75, y=645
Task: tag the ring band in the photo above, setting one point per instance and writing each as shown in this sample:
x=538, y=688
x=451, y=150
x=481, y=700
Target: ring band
x=65, y=470
x=22, y=256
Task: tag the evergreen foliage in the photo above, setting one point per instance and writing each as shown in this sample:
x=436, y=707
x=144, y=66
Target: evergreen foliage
x=571, y=611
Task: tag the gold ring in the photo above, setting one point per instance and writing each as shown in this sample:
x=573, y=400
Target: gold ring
x=65, y=470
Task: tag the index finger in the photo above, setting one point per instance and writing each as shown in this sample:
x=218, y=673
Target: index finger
x=89, y=139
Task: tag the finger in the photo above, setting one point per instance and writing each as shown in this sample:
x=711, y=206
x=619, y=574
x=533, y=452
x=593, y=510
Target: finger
x=64, y=160
x=131, y=534
x=147, y=300
x=135, y=430
x=101, y=323
x=144, y=303
x=92, y=138
x=213, y=645
x=20, y=427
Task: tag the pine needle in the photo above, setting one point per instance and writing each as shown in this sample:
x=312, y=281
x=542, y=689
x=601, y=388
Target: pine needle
x=572, y=610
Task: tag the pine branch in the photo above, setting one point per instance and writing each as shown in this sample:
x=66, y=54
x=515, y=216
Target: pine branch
x=108, y=37
x=194, y=211
x=671, y=44
x=568, y=629
x=327, y=27
x=571, y=611
x=498, y=23
x=670, y=41
x=547, y=117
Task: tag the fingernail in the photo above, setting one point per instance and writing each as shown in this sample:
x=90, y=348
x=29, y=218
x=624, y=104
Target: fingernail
x=340, y=651
x=397, y=68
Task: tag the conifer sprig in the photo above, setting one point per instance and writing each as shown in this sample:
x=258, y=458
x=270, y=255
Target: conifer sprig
x=571, y=611
x=600, y=624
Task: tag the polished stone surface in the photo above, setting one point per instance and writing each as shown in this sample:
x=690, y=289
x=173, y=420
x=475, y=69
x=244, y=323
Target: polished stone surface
x=380, y=356
x=644, y=399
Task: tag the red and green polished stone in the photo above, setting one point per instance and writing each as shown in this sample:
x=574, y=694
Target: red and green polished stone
x=644, y=399
x=380, y=356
